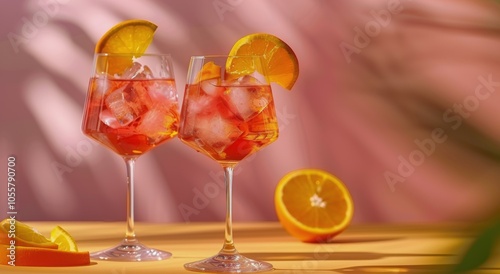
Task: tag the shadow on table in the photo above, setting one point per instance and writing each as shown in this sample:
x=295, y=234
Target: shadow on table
x=430, y=269
x=362, y=239
x=240, y=235
x=438, y=269
x=312, y=256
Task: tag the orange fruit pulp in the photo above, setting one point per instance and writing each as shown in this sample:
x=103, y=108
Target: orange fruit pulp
x=313, y=205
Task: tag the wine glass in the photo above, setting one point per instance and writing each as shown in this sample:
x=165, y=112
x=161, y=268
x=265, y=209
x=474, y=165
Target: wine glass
x=227, y=114
x=131, y=108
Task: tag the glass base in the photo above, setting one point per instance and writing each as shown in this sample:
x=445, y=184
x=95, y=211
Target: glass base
x=230, y=263
x=130, y=252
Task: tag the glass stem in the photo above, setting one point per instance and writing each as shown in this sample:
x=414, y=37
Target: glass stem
x=130, y=233
x=228, y=247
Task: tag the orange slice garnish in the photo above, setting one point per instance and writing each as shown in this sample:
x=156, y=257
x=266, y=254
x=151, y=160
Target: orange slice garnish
x=130, y=36
x=280, y=62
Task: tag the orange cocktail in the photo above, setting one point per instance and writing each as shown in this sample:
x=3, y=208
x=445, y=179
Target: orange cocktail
x=229, y=120
x=228, y=113
x=131, y=108
x=131, y=116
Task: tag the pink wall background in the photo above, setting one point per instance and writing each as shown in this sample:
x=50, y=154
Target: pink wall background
x=399, y=99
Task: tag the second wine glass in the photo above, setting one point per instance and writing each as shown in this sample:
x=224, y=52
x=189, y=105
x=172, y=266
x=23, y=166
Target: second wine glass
x=228, y=114
x=131, y=108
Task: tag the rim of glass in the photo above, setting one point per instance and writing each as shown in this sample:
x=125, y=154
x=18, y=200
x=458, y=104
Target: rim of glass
x=131, y=54
x=224, y=56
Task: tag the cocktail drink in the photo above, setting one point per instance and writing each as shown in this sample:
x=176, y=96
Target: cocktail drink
x=228, y=114
x=229, y=120
x=131, y=116
x=131, y=108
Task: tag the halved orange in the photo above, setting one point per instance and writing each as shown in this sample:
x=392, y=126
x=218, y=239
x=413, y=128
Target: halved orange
x=23, y=235
x=282, y=66
x=35, y=256
x=130, y=36
x=313, y=205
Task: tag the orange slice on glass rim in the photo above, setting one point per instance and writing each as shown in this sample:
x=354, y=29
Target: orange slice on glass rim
x=280, y=62
x=130, y=36
x=313, y=205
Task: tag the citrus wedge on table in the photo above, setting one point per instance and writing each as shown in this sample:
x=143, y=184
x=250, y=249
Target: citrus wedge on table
x=23, y=235
x=130, y=36
x=313, y=205
x=280, y=62
x=62, y=238
x=28, y=247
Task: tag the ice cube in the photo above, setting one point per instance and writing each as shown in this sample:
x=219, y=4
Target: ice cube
x=137, y=71
x=196, y=106
x=131, y=71
x=128, y=102
x=253, y=79
x=210, y=87
x=117, y=103
x=145, y=74
x=163, y=92
x=259, y=78
x=109, y=119
x=247, y=101
x=216, y=131
x=158, y=122
x=141, y=101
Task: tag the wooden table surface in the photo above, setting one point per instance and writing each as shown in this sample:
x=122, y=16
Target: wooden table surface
x=359, y=249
